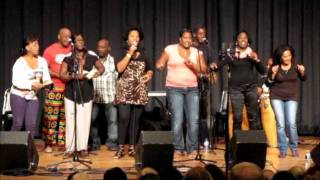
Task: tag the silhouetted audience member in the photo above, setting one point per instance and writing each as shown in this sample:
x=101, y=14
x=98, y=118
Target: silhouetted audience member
x=215, y=172
x=268, y=174
x=170, y=173
x=115, y=173
x=198, y=173
x=246, y=171
x=150, y=177
x=281, y=175
x=297, y=171
x=312, y=173
x=78, y=176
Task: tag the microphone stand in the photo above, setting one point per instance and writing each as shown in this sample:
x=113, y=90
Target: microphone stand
x=75, y=154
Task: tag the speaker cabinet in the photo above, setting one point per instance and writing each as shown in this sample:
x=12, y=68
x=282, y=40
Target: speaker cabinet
x=17, y=151
x=250, y=146
x=155, y=149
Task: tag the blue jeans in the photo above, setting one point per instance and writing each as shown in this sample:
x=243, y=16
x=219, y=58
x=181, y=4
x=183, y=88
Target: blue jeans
x=111, y=117
x=285, y=112
x=187, y=99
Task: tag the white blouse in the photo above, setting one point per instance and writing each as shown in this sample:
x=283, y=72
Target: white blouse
x=23, y=76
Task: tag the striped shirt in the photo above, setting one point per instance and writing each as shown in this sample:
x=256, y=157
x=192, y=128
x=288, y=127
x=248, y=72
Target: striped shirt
x=105, y=84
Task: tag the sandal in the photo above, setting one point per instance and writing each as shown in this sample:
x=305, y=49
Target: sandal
x=131, y=151
x=120, y=153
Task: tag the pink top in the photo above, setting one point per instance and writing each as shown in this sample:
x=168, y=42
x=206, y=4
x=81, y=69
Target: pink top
x=54, y=55
x=178, y=74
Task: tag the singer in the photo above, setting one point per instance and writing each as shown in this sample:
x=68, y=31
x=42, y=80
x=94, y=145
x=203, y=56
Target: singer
x=54, y=120
x=243, y=83
x=135, y=71
x=283, y=78
x=29, y=74
x=183, y=64
x=74, y=71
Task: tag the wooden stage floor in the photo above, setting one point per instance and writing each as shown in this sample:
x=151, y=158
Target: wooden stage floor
x=104, y=160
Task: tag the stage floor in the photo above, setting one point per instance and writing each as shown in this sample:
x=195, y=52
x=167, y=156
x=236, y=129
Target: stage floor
x=104, y=160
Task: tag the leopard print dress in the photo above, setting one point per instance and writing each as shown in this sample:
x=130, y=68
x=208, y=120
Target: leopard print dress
x=130, y=88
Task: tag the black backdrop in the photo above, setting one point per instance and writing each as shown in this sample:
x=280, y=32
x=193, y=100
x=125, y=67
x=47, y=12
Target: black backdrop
x=269, y=22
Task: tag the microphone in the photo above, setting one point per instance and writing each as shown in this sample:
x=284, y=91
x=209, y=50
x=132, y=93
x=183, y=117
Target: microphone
x=205, y=40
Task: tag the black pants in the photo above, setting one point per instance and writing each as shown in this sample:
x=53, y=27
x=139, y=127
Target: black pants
x=128, y=122
x=240, y=97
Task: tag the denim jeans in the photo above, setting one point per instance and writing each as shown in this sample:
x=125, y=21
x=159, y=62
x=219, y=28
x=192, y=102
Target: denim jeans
x=285, y=112
x=239, y=98
x=187, y=99
x=111, y=117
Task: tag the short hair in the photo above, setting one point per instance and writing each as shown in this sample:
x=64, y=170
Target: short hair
x=195, y=30
x=185, y=30
x=141, y=35
x=26, y=41
x=246, y=171
x=115, y=173
x=198, y=173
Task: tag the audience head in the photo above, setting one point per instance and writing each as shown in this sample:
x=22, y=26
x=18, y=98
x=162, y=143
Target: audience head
x=115, y=174
x=216, y=172
x=268, y=174
x=198, y=173
x=246, y=171
x=297, y=171
x=170, y=173
x=281, y=175
x=78, y=176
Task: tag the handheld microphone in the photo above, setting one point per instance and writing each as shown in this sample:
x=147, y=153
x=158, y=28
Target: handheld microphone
x=205, y=40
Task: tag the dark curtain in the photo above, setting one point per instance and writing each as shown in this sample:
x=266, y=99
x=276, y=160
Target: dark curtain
x=269, y=23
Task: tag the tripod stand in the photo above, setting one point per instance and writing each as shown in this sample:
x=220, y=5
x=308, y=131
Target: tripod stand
x=74, y=84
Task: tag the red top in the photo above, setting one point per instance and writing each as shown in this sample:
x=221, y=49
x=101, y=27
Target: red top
x=54, y=55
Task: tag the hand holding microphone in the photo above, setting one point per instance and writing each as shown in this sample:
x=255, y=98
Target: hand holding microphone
x=133, y=47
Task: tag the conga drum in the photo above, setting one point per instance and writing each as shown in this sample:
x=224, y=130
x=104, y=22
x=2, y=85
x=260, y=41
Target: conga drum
x=268, y=119
x=245, y=122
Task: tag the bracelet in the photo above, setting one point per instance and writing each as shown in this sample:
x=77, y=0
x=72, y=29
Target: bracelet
x=128, y=55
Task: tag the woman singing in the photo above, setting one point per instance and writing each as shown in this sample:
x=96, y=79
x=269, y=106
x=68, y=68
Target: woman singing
x=135, y=71
x=283, y=78
x=243, y=81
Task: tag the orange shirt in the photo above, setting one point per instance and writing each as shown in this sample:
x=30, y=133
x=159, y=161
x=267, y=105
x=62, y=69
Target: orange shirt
x=54, y=55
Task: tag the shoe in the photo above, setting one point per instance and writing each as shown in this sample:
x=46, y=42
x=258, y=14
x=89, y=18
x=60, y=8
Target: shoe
x=180, y=152
x=131, y=151
x=84, y=153
x=67, y=155
x=282, y=154
x=295, y=153
x=120, y=153
x=48, y=149
x=113, y=148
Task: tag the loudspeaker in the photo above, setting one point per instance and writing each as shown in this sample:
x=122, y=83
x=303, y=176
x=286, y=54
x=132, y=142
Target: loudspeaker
x=315, y=155
x=155, y=149
x=250, y=146
x=17, y=151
